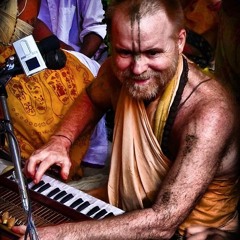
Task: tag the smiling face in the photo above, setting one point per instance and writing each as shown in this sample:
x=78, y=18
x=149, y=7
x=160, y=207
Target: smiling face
x=145, y=52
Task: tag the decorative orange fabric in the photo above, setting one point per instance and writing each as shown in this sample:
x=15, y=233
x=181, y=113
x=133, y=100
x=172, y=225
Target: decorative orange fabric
x=38, y=103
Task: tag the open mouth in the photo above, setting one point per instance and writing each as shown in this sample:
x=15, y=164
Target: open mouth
x=140, y=81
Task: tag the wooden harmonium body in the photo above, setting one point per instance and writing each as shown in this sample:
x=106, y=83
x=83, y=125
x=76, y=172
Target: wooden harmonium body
x=52, y=201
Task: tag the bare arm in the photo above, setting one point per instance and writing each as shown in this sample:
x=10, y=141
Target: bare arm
x=78, y=119
x=83, y=115
x=91, y=43
x=42, y=31
x=201, y=151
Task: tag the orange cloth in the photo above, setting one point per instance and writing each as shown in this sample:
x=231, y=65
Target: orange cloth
x=217, y=208
x=138, y=164
x=38, y=103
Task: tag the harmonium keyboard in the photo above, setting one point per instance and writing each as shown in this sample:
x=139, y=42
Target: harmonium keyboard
x=52, y=202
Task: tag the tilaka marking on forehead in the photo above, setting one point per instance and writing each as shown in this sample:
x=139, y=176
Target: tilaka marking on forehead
x=135, y=19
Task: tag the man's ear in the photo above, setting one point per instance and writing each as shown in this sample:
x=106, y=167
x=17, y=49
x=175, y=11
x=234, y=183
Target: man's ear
x=181, y=40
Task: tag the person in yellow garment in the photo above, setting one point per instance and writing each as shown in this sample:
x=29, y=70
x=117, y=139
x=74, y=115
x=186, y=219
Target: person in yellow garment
x=175, y=154
x=38, y=103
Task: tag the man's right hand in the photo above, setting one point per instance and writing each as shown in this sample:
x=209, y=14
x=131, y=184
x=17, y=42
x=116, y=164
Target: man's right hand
x=55, y=152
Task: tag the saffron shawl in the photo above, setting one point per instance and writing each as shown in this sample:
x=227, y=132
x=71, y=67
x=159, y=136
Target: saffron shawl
x=138, y=164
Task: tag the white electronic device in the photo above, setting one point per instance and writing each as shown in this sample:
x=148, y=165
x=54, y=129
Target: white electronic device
x=29, y=55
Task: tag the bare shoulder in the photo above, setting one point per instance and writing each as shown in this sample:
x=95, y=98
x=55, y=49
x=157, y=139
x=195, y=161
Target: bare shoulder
x=105, y=87
x=207, y=121
x=207, y=99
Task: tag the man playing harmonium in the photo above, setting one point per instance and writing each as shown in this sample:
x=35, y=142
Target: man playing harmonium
x=175, y=153
x=175, y=148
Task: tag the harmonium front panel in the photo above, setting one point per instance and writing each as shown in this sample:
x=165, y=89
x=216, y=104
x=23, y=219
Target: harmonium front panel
x=52, y=202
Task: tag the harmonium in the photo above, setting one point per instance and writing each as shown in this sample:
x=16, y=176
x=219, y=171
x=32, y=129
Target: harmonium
x=52, y=202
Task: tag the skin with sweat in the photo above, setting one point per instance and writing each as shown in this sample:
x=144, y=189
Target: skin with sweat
x=143, y=59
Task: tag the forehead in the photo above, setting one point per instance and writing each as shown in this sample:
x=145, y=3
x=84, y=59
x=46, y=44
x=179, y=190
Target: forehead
x=149, y=30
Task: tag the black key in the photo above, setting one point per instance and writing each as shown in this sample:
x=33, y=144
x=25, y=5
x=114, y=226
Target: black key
x=109, y=214
x=29, y=180
x=76, y=203
x=100, y=214
x=82, y=206
x=53, y=192
x=93, y=210
x=66, y=198
x=43, y=188
x=36, y=186
x=60, y=195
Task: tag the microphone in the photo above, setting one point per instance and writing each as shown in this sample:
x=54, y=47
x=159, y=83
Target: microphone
x=48, y=44
x=52, y=55
x=55, y=59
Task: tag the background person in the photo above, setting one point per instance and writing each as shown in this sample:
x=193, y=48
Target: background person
x=78, y=24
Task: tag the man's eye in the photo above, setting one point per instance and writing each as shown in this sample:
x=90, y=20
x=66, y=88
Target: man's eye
x=124, y=53
x=152, y=53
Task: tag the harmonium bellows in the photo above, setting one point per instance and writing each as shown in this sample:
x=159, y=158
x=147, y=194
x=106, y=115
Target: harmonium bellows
x=52, y=202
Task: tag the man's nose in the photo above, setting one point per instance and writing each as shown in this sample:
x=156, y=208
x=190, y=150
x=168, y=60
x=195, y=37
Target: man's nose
x=139, y=64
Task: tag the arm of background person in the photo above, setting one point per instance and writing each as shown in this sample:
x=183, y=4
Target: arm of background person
x=42, y=31
x=91, y=43
x=94, y=30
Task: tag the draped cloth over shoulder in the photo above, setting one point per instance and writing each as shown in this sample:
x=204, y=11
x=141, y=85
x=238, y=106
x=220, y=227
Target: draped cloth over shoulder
x=138, y=164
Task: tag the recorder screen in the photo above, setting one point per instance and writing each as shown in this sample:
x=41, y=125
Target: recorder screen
x=32, y=63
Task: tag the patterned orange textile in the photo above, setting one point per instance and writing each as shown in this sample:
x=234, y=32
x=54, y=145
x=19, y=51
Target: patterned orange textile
x=38, y=103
